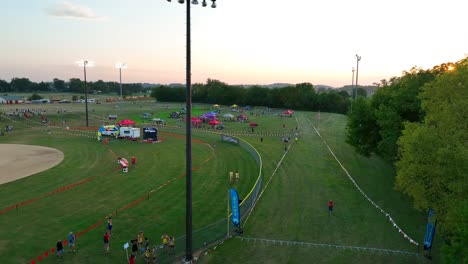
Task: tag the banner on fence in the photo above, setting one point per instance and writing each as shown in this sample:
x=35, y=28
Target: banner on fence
x=235, y=207
x=430, y=229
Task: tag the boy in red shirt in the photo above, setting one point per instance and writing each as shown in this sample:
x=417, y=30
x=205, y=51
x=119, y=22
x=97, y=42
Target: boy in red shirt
x=131, y=260
x=330, y=207
x=106, y=241
x=133, y=160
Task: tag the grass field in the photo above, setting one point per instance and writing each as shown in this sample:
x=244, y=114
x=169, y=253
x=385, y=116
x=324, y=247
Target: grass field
x=292, y=208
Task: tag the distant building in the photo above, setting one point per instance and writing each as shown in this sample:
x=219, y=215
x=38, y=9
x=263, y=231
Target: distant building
x=11, y=99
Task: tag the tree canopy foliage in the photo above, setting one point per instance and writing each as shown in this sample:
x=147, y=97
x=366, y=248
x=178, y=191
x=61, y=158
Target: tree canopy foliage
x=420, y=122
x=21, y=85
x=395, y=102
x=433, y=164
x=301, y=96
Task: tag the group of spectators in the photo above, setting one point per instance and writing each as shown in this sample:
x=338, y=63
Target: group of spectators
x=141, y=244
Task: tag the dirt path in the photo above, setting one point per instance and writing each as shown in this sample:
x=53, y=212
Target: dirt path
x=18, y=161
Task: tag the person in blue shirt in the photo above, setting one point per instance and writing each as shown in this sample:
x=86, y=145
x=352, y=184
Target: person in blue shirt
x=71, y=241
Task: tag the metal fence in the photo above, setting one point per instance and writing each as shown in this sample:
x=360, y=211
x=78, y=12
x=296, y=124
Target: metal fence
x=222, y=228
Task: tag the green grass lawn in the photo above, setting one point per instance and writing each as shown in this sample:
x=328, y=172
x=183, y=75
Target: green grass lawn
x=35, y=227
x=292, y=208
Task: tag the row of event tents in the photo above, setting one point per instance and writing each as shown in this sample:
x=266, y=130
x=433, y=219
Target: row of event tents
x=197, y=121
x=233, y=106
x=287, y=112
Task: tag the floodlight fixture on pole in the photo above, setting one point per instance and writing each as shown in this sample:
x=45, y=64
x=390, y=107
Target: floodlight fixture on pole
x=121, y=65
x=358, y=58
x=188, y=142
x=84, y=63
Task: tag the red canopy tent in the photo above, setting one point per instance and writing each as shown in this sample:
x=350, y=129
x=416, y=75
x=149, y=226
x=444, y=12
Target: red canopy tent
x=214, y=122
x=288, y=112
x=126, y=122
x=196, y=120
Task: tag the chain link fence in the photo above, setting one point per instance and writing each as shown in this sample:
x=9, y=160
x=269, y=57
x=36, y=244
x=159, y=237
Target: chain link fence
x=222, y=228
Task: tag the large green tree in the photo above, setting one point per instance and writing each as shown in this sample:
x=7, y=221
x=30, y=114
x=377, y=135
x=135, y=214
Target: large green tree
x=362, y=127
x=395, y=102
x=433, y=164
x=59, y=85
x=21, y=85
x=5, y=86
x=76, y=85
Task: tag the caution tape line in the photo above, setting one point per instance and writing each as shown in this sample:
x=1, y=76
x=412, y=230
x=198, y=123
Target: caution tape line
x=362, y=192
x=300, y=243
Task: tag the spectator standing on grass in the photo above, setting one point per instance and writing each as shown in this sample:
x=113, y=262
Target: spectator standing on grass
x=71, y=241
x=143, y=249
x=330, y=207
x=134, y=246
x=109, y=226
x=106, y=239
x=59, y=249
x=231, y=176
x=140, y=239
x=237, y=175
x=131, y=259
x=147, y=255
x=172, y=245
x=165, y=241
x=154, y=255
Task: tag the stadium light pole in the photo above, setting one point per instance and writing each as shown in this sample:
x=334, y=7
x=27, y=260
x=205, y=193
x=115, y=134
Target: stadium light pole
x=188, y=124
x=84, y=63
x=358, y=58
x=120, y=66
x=352, y=84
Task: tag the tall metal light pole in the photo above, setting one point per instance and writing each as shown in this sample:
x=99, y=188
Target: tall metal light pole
x=358, y=58
x=188, y=142
x=84, y=63
x=120, y=66
x=352, y=85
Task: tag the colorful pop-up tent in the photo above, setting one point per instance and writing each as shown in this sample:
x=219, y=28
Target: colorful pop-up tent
x=214, y=122
x=288, y=112
x=126, y=122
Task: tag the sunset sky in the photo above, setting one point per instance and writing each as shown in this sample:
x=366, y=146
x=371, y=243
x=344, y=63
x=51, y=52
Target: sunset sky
x=239, y=42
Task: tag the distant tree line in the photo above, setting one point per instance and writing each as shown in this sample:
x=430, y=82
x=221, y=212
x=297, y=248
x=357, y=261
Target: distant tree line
x=75, y=85
x=419, y=121
x=301, y=96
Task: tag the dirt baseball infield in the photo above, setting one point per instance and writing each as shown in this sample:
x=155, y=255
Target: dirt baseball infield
x=18, y=161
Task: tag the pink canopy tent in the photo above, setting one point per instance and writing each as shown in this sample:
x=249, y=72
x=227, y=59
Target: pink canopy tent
x=214, y=122
x=126, y=122
x=288, y=112
x=196, y=120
